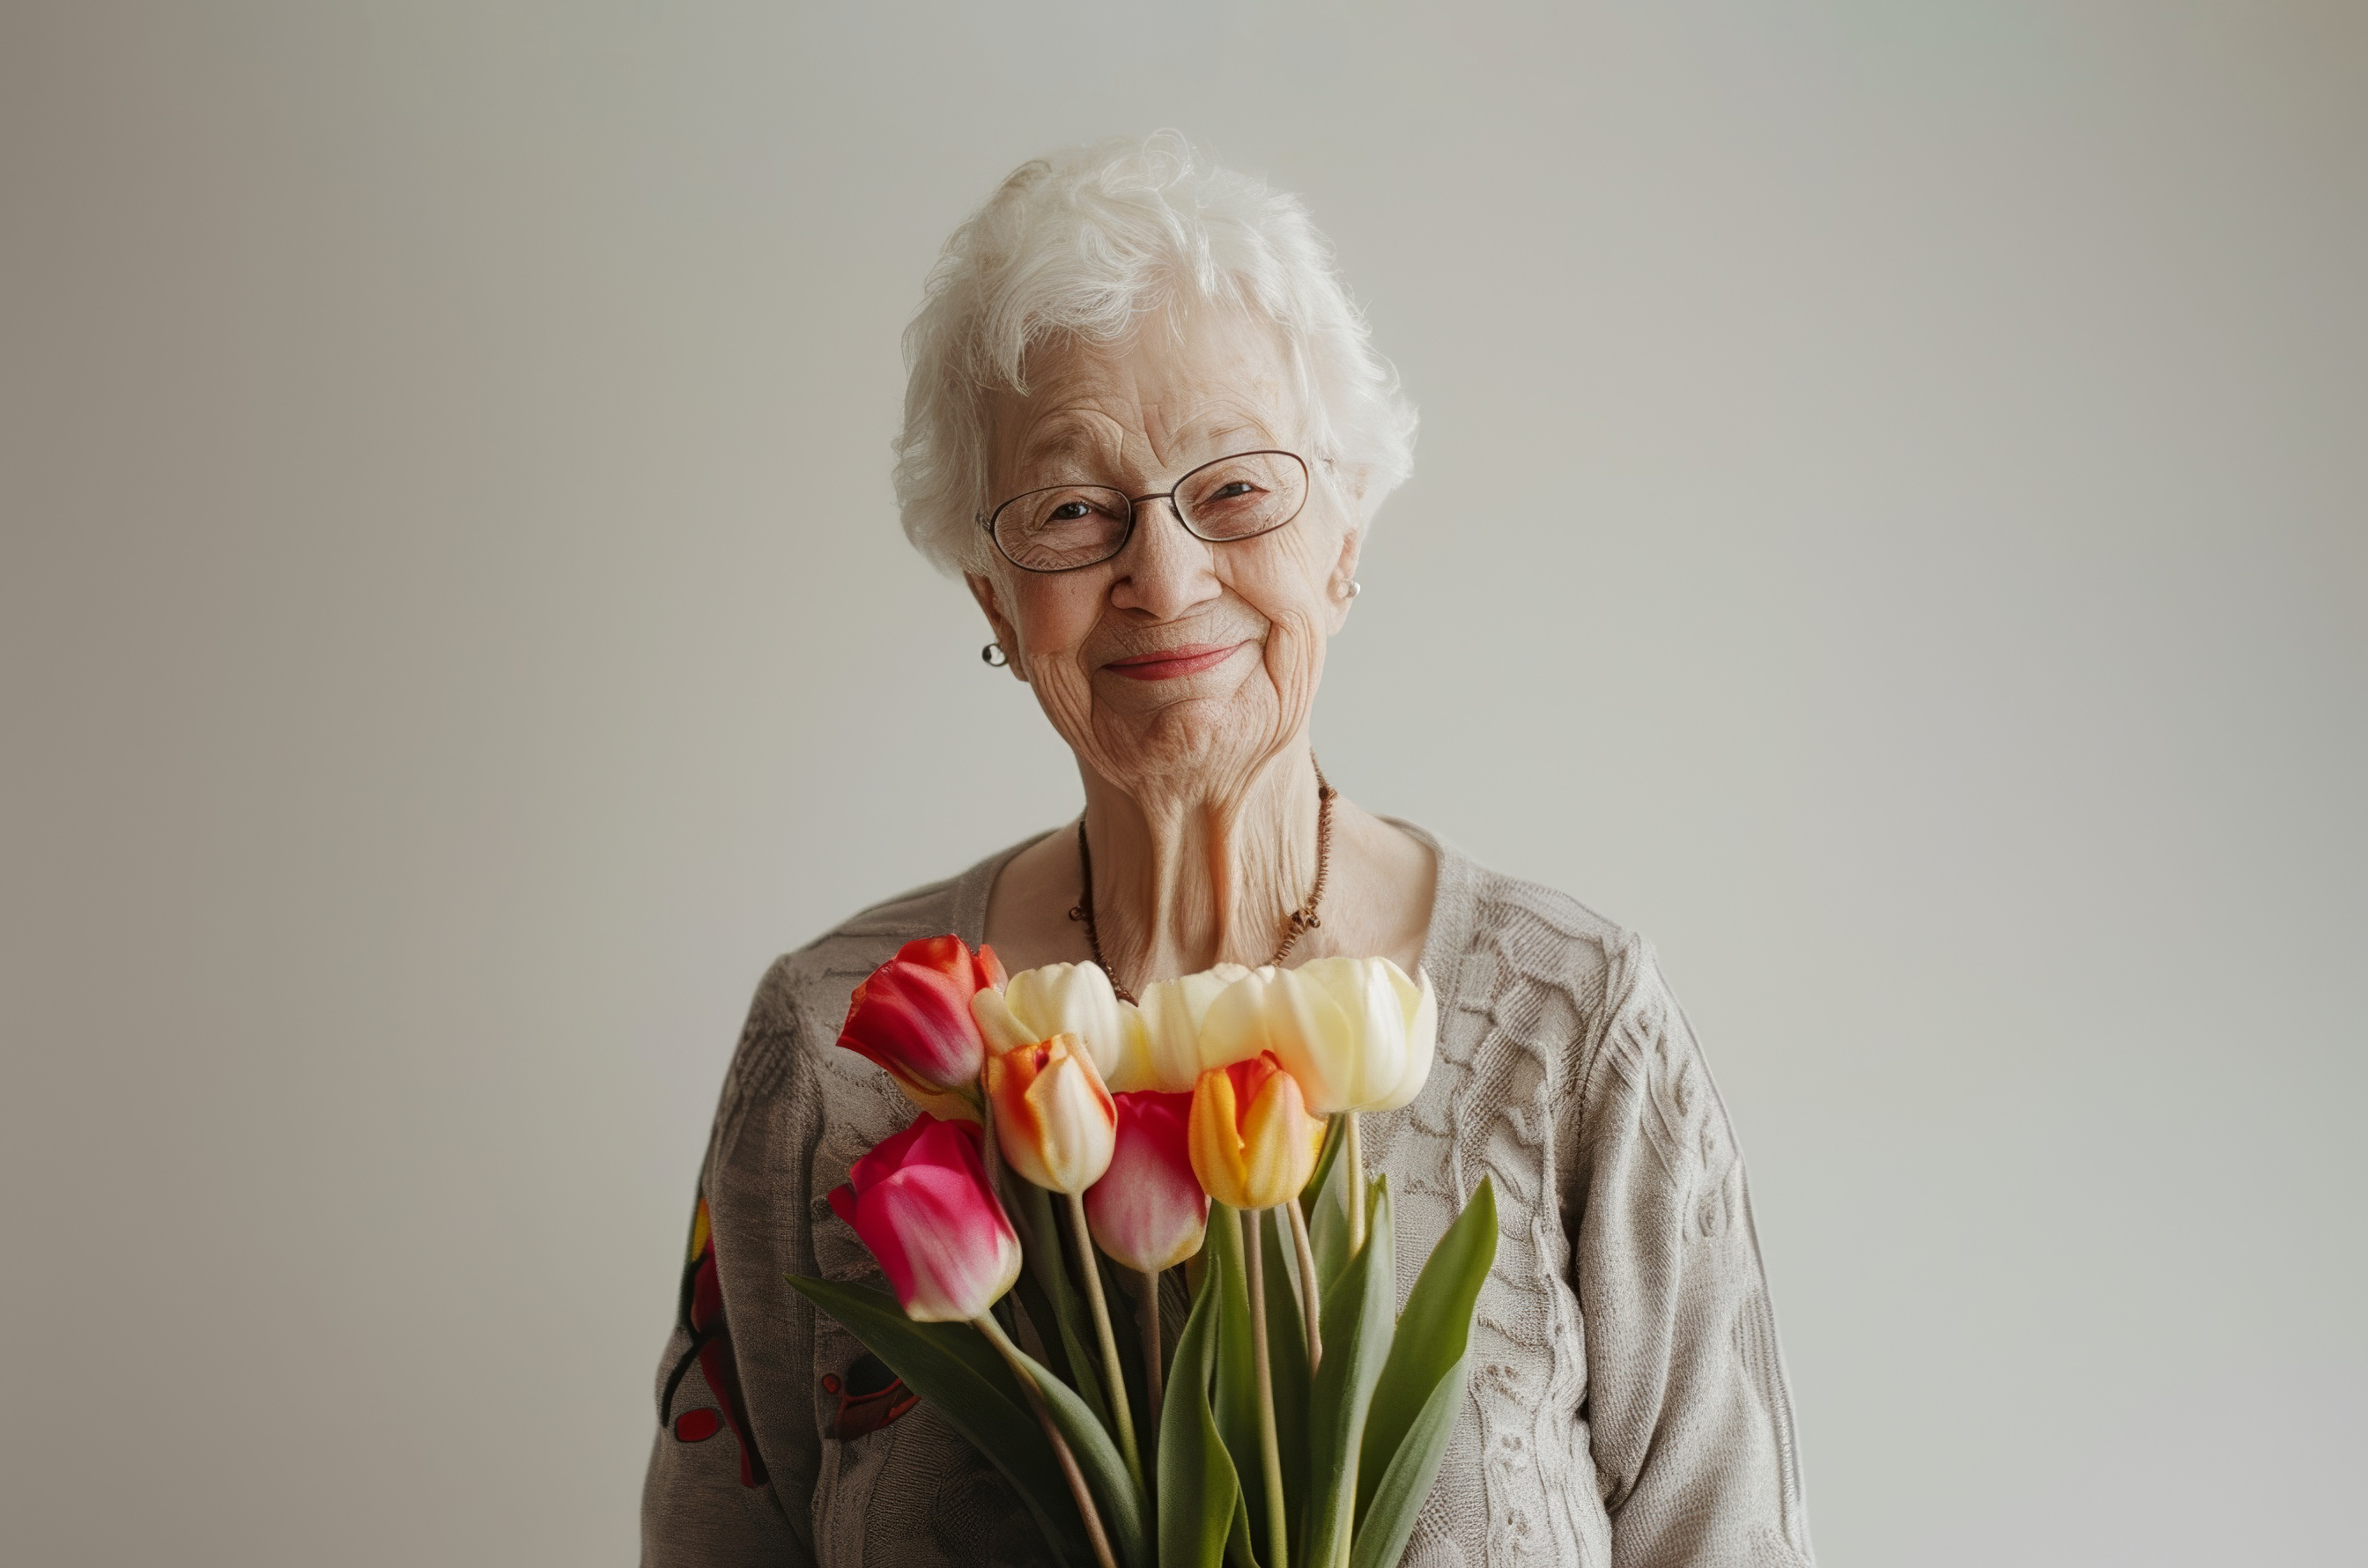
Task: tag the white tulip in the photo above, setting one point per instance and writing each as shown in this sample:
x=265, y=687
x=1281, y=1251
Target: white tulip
x=1356, y=1032
x=1171, y=1012
x=1064, y=998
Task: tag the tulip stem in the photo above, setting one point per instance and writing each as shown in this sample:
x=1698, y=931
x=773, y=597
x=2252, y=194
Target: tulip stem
x=1355, y=1151
x=1121, y=1409
x=1270, y=1443
x=989, y=1147
x=1095, y=1534
x=1155, y=1371
x=1306, y=1251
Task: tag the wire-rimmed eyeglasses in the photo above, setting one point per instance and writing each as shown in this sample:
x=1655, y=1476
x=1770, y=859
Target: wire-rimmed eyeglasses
x=1065, y=527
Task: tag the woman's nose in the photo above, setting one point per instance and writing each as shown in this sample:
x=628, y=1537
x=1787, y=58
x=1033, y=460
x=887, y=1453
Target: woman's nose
x=1164, y=571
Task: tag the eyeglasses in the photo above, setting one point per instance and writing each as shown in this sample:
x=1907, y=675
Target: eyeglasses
x=1068, y=526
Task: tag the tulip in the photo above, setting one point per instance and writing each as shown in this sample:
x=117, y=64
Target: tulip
x=1058, y=1127
x=1172, y=1011
x=912, y=1015
x=1053, y=1120
x=1063, y=999
x=1253, y=1143
x=1356, y=1032
x=1148, y=1211
x=920, y=1201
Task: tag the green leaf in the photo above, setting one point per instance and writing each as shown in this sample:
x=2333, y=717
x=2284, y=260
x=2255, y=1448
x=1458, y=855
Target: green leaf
x=1039, y=1308
x=1286, y=1351
x=953, y=1368
x=1430, y=1336
x=1236, y=1376
x=1098, y=1455
x=1357, y=1324
x=1050, y=1264
x=1198, y=1490
x=1398, y=1496
x=1327, y=1228
x=1335, y=1128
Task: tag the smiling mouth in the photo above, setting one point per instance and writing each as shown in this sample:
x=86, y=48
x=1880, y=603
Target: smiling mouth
x=1170, y=664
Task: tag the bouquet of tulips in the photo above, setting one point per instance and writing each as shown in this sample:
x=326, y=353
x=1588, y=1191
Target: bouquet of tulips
x=1072, y=1148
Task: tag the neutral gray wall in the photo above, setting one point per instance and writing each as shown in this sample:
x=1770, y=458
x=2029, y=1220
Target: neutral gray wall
x=1889, y=524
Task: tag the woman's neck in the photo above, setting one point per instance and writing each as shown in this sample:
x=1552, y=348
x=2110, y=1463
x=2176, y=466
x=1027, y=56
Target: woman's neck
x=1185, y=881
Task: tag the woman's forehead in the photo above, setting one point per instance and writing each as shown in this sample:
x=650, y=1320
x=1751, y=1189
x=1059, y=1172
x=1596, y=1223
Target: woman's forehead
x=1201, y=386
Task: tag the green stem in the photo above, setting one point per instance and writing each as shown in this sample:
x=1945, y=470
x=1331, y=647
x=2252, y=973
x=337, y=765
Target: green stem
x=1100, y=1538
x=990, y=1151
x=1147, y=1323
x=1306, y=1251
x=1121, y=1409
x=1269, y=1444
x=1356, y=1189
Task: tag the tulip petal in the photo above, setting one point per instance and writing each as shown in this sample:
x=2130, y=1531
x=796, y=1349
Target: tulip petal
x=919, y=1200
x=926, y=1224
x=1422, y=1039
x=1148, y=1211
x=997, y=1024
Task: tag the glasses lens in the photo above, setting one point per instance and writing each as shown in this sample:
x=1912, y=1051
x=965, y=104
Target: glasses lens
x=1238, y=497
x=1054, y=531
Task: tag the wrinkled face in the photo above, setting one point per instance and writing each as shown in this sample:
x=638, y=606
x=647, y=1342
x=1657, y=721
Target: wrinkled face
x=1179, y=664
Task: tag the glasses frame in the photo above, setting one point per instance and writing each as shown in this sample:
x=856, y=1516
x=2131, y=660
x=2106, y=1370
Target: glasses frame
x=1134, y=505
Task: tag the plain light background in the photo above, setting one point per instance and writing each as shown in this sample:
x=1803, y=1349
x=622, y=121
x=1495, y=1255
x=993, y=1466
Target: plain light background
x=1888, y=524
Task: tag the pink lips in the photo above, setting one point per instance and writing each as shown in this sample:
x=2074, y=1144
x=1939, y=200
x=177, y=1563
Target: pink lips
x=1169, y=663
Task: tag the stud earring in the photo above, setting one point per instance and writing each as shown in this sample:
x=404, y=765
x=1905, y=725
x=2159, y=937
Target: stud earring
x=994, y=655
x=1355, y=587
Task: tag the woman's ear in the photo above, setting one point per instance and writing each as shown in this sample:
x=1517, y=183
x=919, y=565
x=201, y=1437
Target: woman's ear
x=1341, y=586
x=982, y=588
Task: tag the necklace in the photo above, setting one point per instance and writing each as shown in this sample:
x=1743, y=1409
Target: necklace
x=1297, y=924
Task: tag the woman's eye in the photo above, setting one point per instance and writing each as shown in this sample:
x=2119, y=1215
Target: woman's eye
x=1068, y=512
x=1232, y=492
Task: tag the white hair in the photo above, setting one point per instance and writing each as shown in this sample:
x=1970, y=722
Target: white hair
x=1085, y=245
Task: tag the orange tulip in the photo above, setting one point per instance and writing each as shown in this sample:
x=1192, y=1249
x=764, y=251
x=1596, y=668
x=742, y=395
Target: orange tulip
x=1053, y=1120
x=1253, y=1145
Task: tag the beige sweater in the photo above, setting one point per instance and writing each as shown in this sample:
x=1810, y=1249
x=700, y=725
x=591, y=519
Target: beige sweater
x=1627, y=1408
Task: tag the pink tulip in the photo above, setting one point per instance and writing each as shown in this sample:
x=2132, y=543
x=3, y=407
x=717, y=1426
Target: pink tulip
x=912, y=1015
x=920, y=1201
x=1148, y=1211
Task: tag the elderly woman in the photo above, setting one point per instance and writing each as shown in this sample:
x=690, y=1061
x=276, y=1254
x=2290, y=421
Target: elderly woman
x=1147, y=427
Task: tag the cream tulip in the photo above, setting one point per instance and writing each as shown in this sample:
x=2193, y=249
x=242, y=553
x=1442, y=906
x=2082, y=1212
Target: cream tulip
x=1172, y=1012
x=1356, y=1033
x=1064, y=998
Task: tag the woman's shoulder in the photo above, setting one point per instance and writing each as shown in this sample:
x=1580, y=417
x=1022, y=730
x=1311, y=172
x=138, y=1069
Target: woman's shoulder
x=1511, y=948
x=1583, y=987
x=1491, y=927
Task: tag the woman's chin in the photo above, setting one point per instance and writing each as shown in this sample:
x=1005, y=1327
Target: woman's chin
x=1210, y=735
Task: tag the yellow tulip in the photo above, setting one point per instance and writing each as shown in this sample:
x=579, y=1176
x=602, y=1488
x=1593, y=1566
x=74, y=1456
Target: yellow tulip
x=1253, y=1143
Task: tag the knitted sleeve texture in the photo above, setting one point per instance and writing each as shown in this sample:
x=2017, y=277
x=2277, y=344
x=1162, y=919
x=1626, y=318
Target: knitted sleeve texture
x=732, y=1488
x=1691, y=1421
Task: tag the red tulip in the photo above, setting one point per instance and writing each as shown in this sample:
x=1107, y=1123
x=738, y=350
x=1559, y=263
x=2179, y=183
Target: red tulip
x=1148, y=1211
x=912, y=1015
x=920, y=1201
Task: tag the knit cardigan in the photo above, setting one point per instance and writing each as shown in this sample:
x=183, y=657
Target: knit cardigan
x=1627, y=1406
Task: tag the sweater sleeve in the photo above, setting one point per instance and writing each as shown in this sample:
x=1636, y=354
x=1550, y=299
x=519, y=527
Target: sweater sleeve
x=732, y=1473
x=1691, y=1421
